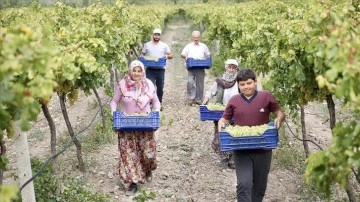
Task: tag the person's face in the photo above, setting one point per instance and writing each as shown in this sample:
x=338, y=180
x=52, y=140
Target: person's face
x=137, y=73
x=156, y=37
x=232, y=69
x=196, y=39
x=248, y=87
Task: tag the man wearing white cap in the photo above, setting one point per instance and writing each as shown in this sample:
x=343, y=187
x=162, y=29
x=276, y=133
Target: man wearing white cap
x=158, y=49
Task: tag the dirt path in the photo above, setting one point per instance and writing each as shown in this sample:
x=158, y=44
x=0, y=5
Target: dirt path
x=187, y=167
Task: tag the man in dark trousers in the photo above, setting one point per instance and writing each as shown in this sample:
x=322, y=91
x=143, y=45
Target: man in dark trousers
x=157, y=48
x=251, y=108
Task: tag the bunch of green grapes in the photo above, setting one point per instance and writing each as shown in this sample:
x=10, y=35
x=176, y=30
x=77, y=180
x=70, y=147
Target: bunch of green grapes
x=237, y=131
x=216, y=107
x=152, y=58
x=73, y=96
x=137, y=114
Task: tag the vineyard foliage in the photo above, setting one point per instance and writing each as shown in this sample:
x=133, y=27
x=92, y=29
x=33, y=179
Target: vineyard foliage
x=308, y=50
x=24, y=76
x=64, y=49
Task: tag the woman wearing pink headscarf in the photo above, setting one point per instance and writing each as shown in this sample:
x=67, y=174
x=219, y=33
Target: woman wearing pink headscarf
x=137, y=149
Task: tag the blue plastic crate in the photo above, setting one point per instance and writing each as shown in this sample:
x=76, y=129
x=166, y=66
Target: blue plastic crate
x=207, y=115
x=130, y=123
x=154, y=64
x=191, y=63
x=268, y=140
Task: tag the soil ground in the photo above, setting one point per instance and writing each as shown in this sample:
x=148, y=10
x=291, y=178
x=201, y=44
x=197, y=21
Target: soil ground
x=188, y=169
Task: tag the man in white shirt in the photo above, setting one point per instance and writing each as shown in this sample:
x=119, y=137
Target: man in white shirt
x=195, y=83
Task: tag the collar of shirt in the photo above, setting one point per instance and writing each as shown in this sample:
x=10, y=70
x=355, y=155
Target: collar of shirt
x=194, y=44
x=248, y=100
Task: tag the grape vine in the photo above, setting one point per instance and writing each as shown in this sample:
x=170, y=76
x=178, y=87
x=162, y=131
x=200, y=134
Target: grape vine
x=309, y=50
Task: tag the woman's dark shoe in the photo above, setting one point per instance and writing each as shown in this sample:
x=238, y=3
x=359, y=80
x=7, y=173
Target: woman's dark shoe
x=132, y=189
x=149, y=176
x=224, y=163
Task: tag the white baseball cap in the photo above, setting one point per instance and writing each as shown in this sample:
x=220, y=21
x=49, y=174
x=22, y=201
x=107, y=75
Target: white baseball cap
x=157, y=31
x=231, y=62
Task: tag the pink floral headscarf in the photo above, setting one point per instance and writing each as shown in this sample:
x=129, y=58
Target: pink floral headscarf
x=142, y=91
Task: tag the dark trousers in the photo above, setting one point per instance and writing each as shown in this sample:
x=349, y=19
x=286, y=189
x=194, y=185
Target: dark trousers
x=157, y=76
x=252, y=171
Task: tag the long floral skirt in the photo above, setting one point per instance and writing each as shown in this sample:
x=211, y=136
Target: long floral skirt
x=137, y=155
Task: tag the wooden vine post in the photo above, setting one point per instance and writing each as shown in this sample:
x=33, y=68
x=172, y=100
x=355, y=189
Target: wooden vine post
x=23, y=164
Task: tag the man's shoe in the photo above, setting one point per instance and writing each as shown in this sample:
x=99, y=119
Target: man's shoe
x=149, y=176
x=190, y=102
x=132, y=189
x=198, y=102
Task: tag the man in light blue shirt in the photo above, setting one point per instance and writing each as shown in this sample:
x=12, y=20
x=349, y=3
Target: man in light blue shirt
x=158, y=49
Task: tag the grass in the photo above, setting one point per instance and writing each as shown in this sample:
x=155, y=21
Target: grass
x=63, y=139
x=164, y=121
x=98, y=136
x=170, y=122
x=93, y=104
x=93, y=138
x=290, y=156
x=37, y=135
